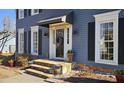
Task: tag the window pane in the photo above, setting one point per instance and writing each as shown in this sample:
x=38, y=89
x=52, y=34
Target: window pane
x=67, y=35
x=21, y=13
x=106, y=41
x=36, y=10
x=54, y=40
x=111, y=50
x=21, y=42
x=35, y=40
x=110, y=44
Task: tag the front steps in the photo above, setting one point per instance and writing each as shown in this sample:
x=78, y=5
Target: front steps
x=39, y=73
x=43, y=68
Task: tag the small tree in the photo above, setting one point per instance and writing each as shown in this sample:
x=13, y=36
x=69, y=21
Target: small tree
x=7, y=33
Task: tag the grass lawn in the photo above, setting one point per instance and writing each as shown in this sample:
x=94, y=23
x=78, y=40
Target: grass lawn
x=6, y=54
x=6, y=71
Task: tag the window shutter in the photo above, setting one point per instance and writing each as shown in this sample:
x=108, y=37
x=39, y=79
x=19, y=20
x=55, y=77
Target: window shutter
x=17, y=42
x=29, y=12
x=121, y=41
x=29, y=42
x=91, y=41
x=40, y=10
x=25, y=12
x=16, y=13
x=25, y=42
x=40, y=42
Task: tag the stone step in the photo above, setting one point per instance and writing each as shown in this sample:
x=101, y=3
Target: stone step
x=39, y=73
x=41, y=68
x=52, y=80
x=44, y=62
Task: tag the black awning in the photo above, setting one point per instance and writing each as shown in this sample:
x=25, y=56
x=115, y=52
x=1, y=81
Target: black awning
x=65, y=18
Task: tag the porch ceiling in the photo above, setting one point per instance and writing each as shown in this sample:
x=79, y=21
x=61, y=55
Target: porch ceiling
x=65, y=18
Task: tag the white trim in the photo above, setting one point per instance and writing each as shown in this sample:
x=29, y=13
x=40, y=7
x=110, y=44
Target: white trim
x=105, y=18
x=32, y=12
x=63, y=18
x=107, y=15
x=34, y=29
x=52, y=47
x=20, y=16
x=20, y=31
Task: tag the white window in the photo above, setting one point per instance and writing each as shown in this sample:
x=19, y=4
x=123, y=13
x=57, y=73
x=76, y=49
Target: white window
x=34, y=40
x=106, y=38
x=34, y=11
x=21, y=40
x=21, y=13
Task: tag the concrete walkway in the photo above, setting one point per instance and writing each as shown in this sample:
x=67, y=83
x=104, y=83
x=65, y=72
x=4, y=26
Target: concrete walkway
x=23, y=78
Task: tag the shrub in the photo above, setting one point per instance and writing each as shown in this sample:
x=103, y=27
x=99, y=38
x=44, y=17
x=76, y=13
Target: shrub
x=22, y=60
x=119, y=72
x=5, y=59
x=70, y=52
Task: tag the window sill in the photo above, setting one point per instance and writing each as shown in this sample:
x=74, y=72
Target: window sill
x=34, y=53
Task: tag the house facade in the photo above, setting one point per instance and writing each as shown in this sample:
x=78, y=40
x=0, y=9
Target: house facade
x=94, y=35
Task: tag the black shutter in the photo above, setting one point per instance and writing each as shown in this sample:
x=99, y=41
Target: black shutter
x=40, y=42
x=91, y=41
x=121, y=41
x=17, y=42
x=16, y=13
x=29, y=42
x=25, y=12
x=40, y=10
x=29, y=12
x=25, y=42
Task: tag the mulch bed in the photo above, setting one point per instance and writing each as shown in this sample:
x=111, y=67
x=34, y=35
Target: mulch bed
x=80, y=67
x=90, y=74
x=85, y=80
x=85, y=74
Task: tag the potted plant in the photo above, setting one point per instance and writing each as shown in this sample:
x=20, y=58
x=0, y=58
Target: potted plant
x=11, y=63
x=119, y=76
x=70, y=55
x=57, y=69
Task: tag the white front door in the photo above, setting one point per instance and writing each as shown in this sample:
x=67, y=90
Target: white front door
x=60, y=42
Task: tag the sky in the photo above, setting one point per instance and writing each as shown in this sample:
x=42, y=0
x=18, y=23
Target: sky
x=7, y=12
x=12, y=15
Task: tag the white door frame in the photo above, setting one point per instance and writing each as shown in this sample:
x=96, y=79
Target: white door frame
x=52, y=40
